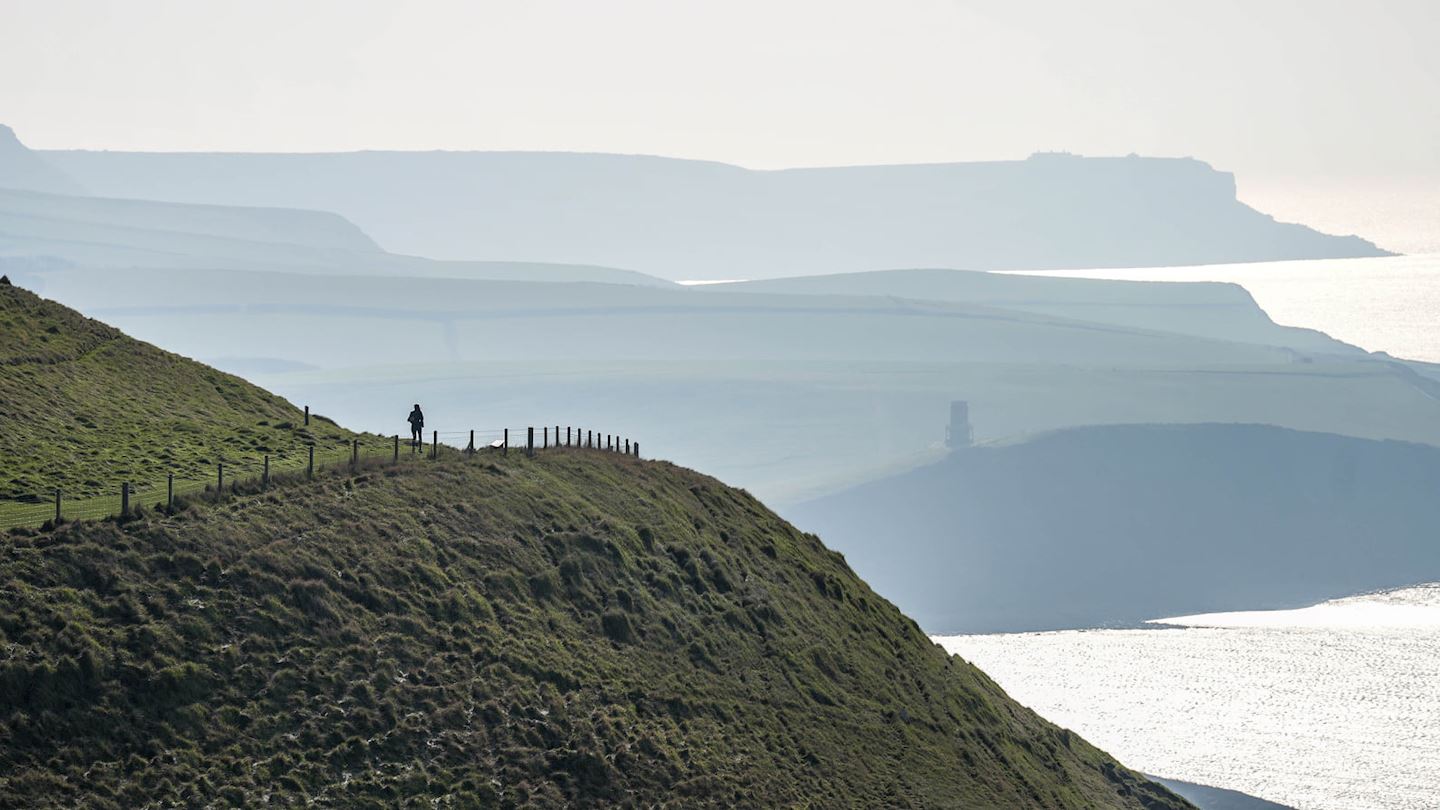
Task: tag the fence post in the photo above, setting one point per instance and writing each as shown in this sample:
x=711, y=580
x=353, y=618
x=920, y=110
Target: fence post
x=435, y=444
x=57, y=505
x=637, y=449
x=627, y=447
x=125, y=499
x=530, y=442
x=396, y=458
x=567, y=436
x=354, y=452
x=557, y=435
x=505, y=445
x=265, y=476
x=220, y=477
x=310, y=467
x=170, y=491
x=590, y=439
x=307, y=415
x=471, y=448
x=544, y=437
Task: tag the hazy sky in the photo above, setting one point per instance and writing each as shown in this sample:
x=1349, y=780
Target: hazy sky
x=1275, y=90
x=1288, y=86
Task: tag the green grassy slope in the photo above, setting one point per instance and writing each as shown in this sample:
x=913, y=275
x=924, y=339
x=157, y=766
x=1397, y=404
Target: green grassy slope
x=85, y=408
x=577, y=628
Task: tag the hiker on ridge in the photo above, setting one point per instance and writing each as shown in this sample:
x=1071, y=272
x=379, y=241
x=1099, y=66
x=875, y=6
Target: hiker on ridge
x=417, y=426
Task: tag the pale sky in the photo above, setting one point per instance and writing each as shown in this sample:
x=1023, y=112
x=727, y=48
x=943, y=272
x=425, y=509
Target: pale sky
x=1279, y=91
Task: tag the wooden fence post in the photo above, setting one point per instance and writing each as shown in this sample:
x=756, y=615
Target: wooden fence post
x=125, y=499
x=637, y=449
x=220, y=476
x=567, y=437
x=545, y=437
x=471, y=448
x=307, y=414
x=265, y=476
x=57, y=504
x=310, y=467
x=530, y=442
x=170, y=491
x=354, y=452
x=435, y=444
x=590, y=439
x=505, y=443
x=395, y=459
x=627, y=447
x=557, y=435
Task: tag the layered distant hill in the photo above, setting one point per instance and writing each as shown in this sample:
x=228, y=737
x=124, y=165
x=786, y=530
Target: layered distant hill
x=788, y=394
x=39, y=229
x=692, y=219
x=21, y=168
x=1124, y=523
x=49, y=221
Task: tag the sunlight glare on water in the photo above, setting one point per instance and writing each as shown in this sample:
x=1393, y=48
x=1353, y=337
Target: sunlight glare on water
x=1333, y=707
x=1387, y=304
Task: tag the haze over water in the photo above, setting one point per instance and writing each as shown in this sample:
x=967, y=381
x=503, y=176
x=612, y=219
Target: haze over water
x=1387, y=304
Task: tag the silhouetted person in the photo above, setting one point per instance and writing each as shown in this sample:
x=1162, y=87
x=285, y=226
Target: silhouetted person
x=417, y=426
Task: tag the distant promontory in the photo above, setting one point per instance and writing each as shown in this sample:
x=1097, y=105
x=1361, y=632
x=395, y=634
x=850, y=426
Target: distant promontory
x=686, y=219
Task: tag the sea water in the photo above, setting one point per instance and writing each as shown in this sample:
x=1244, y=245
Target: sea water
x=1333, y=707
x=1387, y=304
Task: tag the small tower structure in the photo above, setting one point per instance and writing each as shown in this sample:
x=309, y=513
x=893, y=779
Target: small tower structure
x=959, y=434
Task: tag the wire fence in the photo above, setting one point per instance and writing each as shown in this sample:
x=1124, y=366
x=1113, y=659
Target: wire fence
x=305, y=459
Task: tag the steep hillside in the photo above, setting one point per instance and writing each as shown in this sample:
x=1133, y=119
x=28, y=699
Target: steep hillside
x=84, y=407
x=1121, y=524
x=685, y=219
x=578, y=628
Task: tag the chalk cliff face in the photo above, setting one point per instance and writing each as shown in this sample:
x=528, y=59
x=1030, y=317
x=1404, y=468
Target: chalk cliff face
x=693, y=219
x=21, y=168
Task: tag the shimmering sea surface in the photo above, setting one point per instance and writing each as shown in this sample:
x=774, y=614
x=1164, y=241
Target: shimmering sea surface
x=1333, y=707
x=1387, y=304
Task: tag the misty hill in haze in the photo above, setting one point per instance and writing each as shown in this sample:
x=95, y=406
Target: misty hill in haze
x=576, y=629
x=691, y=219
x=1203, y=309
x=20, y=168
x=836, y=388
x=1120, y=524
x=54, y=230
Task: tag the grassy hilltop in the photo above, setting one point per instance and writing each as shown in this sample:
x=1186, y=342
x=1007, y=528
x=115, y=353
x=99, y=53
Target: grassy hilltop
x=580, y=628
x=85, y=407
